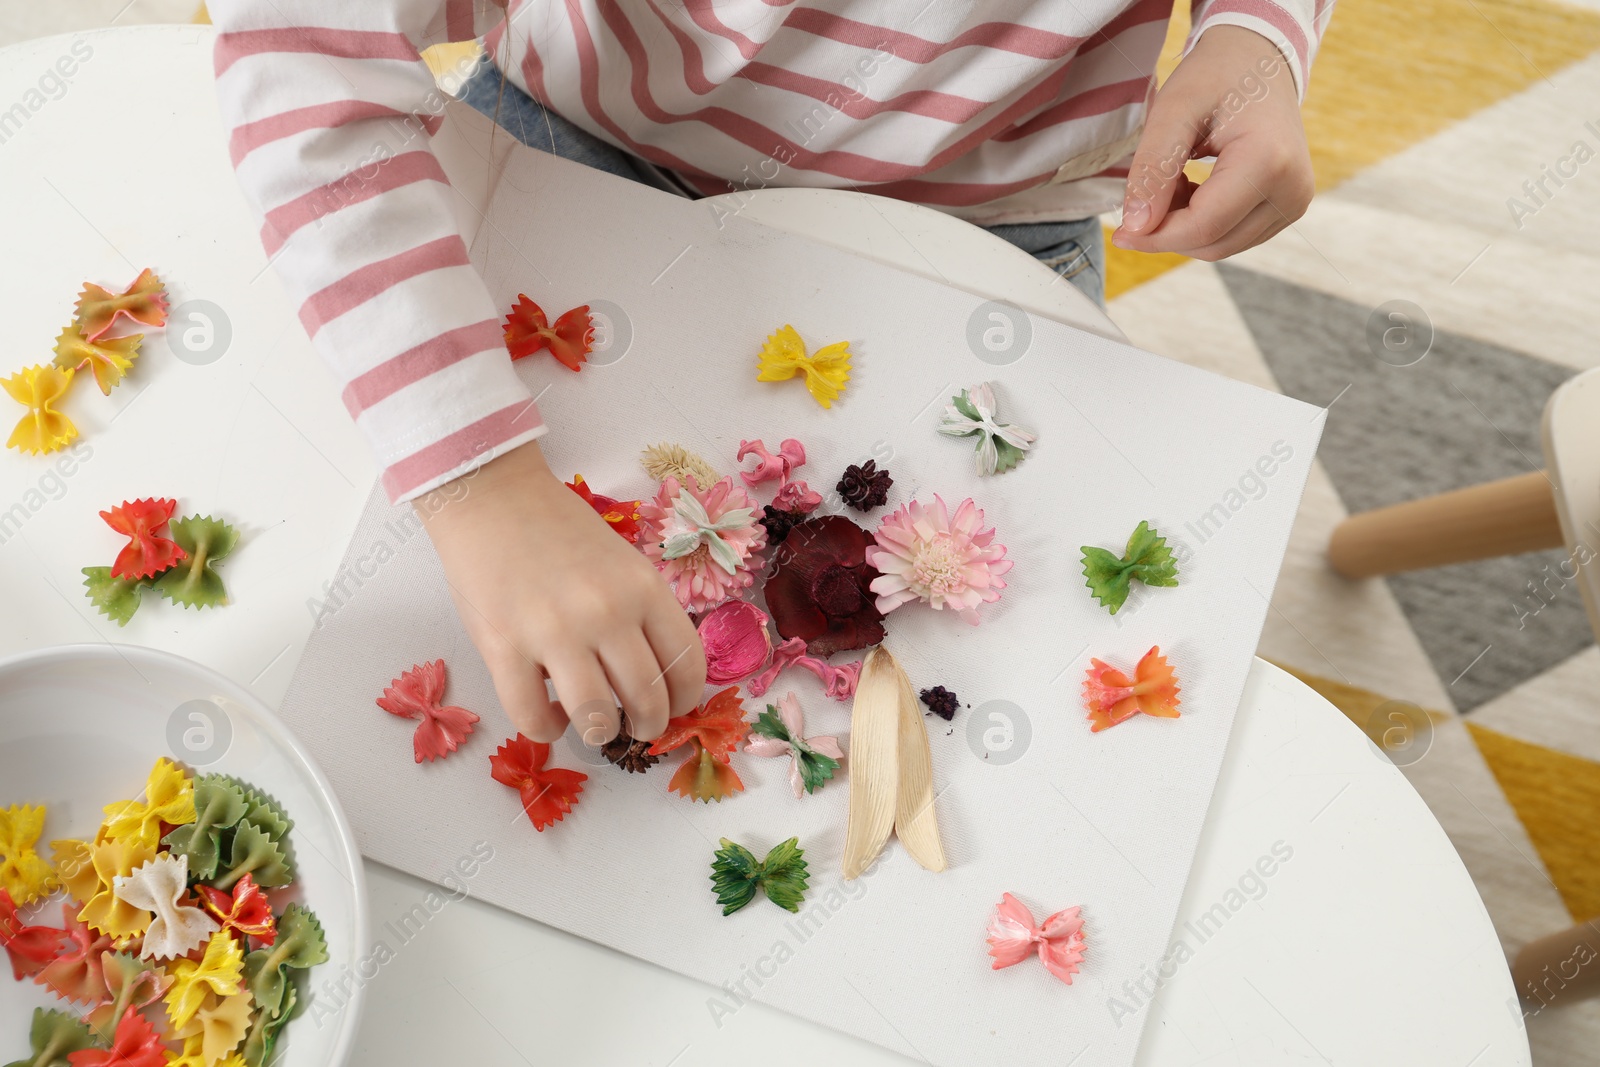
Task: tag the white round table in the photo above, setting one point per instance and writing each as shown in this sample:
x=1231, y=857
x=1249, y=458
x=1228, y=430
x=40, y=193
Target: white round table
x=1328, y=919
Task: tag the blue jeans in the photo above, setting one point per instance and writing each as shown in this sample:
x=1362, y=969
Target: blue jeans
x=1075, y=250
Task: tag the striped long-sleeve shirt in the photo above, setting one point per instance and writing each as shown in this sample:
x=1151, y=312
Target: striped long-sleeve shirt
x=996, y=110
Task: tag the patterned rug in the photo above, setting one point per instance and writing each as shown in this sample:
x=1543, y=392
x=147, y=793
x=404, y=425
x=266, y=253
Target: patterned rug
x=1421, y=159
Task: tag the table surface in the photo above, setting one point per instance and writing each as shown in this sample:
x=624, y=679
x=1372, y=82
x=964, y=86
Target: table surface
x=1366, y=943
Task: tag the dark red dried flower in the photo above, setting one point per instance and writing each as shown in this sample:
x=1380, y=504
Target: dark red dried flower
x=941, y=702
x=779, y=522
x=865, y=487
x=632, y=756
x=818, y=590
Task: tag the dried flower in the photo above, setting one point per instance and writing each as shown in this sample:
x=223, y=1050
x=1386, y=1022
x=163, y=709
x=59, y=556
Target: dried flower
x=736, y=641
x=820, y=590
x=865, y=487
x=703, y=541
x=971, y=413
x=791, y=454
x=779, y=523
x=941, y=702
x=631, y=755
x=925, y=553
x=666, y=460
x=837, y=682
x=797, y=497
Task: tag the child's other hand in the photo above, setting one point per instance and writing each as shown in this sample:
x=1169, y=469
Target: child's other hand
x=544, y=587
x=1218, y=102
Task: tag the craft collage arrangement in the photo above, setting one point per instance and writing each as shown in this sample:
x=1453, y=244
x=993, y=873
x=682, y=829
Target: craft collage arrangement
x=981, y=697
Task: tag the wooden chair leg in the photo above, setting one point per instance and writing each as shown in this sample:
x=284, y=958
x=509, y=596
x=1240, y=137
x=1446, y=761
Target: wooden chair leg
x=1494, y=519
x=1560, y=968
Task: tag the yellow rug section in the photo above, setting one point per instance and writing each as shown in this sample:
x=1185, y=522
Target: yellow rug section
x=1557, y=797
x=1392, y=74
x=1389, y=75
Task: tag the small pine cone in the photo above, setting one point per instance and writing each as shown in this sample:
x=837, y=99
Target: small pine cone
x=941, y=702
x=865, y=487
x=632, y=756
x=778, y=523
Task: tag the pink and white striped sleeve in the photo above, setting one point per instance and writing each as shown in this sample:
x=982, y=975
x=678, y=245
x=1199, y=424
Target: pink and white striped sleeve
x=1295, y=26
x=330, y=110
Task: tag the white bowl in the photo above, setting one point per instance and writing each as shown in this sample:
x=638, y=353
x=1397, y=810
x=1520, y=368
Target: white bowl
x=80, y=726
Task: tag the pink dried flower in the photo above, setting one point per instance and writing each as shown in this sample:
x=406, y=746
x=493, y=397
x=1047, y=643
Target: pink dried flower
x=837, y=682
x=923, y=552
x=736, y=641
x=791, y=454
x=703, y=541
x=796, y=496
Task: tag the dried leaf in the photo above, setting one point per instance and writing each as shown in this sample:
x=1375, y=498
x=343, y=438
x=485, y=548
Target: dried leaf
x=914, y=821
x=874, y=761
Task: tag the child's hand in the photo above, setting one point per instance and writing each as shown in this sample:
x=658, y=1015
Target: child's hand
x=1218, y=102
x=544, y=587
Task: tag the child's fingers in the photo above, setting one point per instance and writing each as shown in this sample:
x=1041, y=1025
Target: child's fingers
x=1171, y=131
x=637, y=680
x=1216, y=206
x=1263, y=222
x=519, y=683
x=584, y=697
x=681, y=659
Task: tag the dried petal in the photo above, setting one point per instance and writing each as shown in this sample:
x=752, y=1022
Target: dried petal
x=736, y=641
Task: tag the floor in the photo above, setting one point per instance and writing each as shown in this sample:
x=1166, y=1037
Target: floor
x=1421, y=156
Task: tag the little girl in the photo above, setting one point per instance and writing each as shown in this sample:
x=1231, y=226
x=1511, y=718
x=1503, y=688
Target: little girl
x=1028, y=117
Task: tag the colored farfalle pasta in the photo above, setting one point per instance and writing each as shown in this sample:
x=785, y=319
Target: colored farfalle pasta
x=711, y=732
x=170, y=951
x=174, y=557
x=736, y=875
x=826, y=371
x=570, y=338
x=84, y=345
x=1112, y=697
